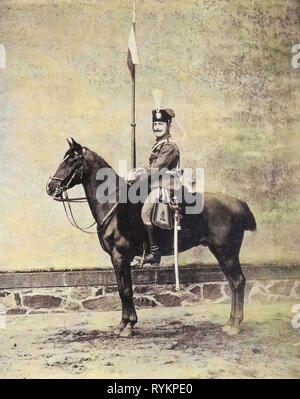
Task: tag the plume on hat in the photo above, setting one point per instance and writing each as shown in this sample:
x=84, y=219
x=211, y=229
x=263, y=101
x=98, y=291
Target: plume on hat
x=157, y=96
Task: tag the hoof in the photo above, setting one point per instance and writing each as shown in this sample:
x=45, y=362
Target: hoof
x=119, y=329
x=127, y=332
x=226, y=328
x=233, y=331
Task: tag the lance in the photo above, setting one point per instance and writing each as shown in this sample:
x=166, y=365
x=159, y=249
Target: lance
x=133, y=59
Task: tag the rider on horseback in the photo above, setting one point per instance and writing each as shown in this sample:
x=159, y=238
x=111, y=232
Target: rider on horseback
x=164, y=158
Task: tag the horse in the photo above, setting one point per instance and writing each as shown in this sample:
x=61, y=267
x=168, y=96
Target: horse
x=220, y=226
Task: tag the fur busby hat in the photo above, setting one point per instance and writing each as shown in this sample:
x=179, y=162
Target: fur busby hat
x=163, y=115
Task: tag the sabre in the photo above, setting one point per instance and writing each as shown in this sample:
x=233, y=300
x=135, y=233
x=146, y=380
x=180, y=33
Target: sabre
x=176, y=229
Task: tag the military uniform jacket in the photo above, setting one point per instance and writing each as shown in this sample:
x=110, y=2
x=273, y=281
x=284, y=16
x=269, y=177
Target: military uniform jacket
x=164, y=156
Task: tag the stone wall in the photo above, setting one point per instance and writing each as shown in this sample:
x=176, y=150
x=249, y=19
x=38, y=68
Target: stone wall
x=106, y=297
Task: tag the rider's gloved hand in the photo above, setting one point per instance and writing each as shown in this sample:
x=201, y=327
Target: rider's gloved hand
x=134, y=175
x=131, y=177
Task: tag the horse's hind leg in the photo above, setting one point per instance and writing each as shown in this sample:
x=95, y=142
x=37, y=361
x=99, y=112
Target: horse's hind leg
x=237, y=281
x=230, y=265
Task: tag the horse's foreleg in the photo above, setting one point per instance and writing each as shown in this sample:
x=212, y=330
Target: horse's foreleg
x=123, y=276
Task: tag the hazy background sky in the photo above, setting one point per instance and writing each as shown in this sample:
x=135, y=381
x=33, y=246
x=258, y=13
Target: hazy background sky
x=225, y=67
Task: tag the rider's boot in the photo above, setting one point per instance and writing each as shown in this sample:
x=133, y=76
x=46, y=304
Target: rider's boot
x=154, y=256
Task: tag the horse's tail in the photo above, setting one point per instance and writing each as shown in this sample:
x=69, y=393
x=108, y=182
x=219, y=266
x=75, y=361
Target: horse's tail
x=249, y=222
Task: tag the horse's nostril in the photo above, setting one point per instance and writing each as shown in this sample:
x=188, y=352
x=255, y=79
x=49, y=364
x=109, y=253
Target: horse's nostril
x=50, y=188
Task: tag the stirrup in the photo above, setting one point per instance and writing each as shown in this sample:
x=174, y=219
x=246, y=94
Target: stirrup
x=140, y=259
x=136, y=263
x=156, y=259
x=139, y=262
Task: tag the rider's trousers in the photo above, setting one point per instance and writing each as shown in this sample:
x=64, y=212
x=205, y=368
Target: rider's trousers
x=152, y=198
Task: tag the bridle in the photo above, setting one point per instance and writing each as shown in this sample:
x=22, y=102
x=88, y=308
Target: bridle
x=65, y=199
x=73, y=172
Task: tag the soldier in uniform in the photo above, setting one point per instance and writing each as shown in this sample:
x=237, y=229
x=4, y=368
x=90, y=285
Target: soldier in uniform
x=164, y=158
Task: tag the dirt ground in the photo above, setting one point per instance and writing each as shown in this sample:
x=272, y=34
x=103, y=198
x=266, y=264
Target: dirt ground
x=180, y=342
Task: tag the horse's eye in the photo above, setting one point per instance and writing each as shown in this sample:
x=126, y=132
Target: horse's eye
x=70, y=162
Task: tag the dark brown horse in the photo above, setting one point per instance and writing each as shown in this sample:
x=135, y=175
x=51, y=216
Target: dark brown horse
x=220, y=226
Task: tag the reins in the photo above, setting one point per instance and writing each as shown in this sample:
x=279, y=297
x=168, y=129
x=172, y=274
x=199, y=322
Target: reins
x=72, y=220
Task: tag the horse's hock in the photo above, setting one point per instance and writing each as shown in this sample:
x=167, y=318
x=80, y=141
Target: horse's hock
x=96, y=290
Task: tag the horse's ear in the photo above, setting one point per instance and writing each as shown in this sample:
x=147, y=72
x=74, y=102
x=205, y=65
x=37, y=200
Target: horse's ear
x=77, y=147
x=70, y=144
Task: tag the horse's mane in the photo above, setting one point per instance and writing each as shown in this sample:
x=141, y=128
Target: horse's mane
x=100, y=160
